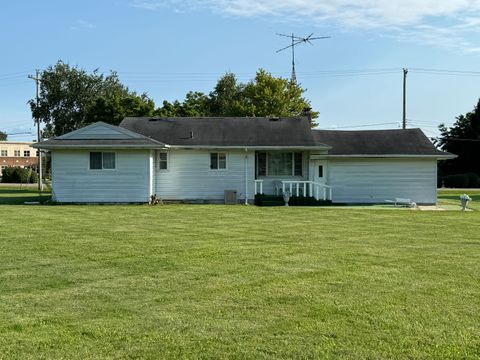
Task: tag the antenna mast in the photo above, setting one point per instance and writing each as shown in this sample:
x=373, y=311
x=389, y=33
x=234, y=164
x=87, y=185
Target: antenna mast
x=297, y=40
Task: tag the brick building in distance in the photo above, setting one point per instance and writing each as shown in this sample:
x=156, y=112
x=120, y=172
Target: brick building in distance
x=20, y=154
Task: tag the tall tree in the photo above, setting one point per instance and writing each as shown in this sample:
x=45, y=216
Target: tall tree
x=71, y=98
x=463, y=140
x=265, y=95
x=3, y=136
x=271, y=96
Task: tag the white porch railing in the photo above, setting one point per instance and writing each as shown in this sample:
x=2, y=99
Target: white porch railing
x=305, y=188
x=258, y=186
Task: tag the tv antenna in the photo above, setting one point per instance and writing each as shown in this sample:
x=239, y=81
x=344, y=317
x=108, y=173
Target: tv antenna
x=297, y=40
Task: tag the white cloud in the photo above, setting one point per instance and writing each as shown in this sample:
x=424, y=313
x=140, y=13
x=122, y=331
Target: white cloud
x=82, y=24
x=370, y=13
x=398, y=17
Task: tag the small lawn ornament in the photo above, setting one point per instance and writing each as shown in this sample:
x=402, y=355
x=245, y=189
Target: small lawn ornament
x=286, y=197
x=464, y=199
x=154, y=200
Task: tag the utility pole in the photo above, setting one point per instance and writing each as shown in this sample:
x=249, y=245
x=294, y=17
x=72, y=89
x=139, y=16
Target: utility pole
x=36, y=78
x=404, y=122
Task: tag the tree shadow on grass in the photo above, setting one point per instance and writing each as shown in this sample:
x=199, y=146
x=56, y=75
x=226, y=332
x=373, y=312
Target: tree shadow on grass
x=20, y=196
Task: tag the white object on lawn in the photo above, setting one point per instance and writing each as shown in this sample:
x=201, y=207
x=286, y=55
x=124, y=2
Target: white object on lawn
x=402, y=202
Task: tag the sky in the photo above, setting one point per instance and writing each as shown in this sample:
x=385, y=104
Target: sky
x=169, y=47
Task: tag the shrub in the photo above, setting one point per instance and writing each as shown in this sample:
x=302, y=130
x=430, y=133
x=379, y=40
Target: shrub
x=473, y=180
x=19, y=175
x=273, y=200
x=468, y=180
x=33, y=177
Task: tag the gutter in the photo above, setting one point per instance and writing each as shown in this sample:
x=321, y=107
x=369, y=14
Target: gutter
x=399, y=156
x=256, y=147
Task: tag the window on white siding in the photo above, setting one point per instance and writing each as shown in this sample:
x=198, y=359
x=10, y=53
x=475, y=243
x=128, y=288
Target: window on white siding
x=26, y=153
x=163, y=161
x=102, y=160
x=279, y=163
x=16, y=152
x=218, y=161
x=4, y=153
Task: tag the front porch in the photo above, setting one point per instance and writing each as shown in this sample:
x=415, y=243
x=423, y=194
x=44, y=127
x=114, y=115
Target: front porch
x=300, y=173
x=298, y=188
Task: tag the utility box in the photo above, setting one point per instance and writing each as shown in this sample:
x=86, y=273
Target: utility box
x=230, y=197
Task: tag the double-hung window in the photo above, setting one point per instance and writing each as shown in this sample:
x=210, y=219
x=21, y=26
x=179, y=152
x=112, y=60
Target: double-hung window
x=4, y=153
x=163, y=161
x=218, y=161
x=102, y=160
x=26, y=153
x=279, y=163
x=16, y=152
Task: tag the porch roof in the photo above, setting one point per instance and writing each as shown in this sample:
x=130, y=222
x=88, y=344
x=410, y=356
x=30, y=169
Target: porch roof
x=396, y=142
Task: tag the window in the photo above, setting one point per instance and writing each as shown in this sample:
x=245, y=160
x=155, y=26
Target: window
x=4, y=153
x=16, y=153
x=162, y=161
x=36, y=153
x=320, y=171
x=279, y=164
x=218, y=161
x=102, y=161
x=26, y=153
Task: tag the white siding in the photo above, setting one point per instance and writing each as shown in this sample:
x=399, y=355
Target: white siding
x=376, y=180
x=73, y=181
x=189, y=177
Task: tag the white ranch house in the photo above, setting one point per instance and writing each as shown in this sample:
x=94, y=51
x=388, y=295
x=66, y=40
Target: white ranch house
x=198, y=159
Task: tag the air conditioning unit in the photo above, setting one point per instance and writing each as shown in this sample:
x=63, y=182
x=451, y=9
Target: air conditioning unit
x=230, y=197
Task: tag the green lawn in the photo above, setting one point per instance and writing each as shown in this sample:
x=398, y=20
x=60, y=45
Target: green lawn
x=218, y=282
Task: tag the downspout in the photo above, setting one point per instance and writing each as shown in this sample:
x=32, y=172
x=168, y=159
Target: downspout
x=246, y=176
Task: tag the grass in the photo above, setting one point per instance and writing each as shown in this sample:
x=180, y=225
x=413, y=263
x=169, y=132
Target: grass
x=218, y=282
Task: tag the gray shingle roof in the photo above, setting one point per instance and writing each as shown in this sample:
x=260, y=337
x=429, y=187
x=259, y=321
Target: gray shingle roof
x=233, y=131
x=98, y=143
x=378, y=142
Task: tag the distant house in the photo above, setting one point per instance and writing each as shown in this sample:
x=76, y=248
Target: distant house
x=198, y=159
x=20, y=154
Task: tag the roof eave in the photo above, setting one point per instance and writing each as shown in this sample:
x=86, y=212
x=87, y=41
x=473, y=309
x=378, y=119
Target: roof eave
x=79, y=147
x=431, y=156
x=254, y=147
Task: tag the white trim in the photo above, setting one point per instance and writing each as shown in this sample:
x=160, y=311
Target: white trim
x=210, y=161
x=99, y=146
x=208, y=147
x=157, y=161
x=319, y=157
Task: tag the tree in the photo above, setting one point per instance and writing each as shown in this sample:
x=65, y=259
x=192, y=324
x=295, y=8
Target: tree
x=265, y=95
x=196, y=104
x=463, y=140
x=3, y=136
x=271, y=96
x=71, y=98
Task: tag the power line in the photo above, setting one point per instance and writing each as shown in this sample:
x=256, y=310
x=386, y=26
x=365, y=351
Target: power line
x=364, y=125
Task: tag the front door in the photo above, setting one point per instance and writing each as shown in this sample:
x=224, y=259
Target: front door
x=319, y=171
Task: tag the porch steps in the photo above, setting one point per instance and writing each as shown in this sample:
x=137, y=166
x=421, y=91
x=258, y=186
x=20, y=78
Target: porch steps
x=273, y=203
x=272, y=200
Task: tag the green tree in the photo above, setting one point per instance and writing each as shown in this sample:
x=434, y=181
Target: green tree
x=71, y=98
x=228, y=97
x=3, y=136
x=265, y=95
x=196, y=104
x=463, y=140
